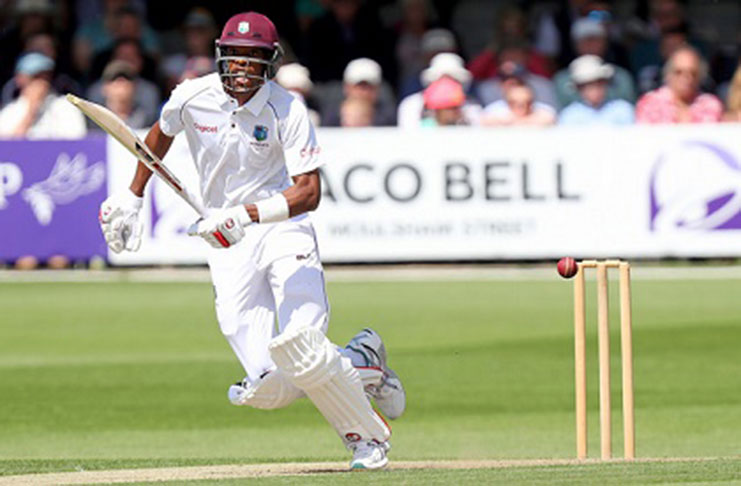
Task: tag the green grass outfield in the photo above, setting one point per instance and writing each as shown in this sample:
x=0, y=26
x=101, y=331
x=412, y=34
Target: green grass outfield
x=102, y=375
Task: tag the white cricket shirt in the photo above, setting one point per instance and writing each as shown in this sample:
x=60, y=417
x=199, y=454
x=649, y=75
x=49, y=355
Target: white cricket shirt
x=242, y=153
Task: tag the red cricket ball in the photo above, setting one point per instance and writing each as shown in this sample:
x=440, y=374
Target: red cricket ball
x=567, y=267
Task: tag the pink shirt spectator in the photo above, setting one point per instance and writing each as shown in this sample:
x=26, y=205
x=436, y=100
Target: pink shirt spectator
x=659, y=106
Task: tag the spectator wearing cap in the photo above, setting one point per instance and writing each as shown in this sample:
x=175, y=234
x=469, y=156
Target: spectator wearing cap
x=444, y=99
x=512, y=64
x=518, y=108
x=39, y=112
x=412, y=112
x=118, y=92
x=434, y=42
x=296, y=79
x=590, y=37
x=199, y=31
x=591, y=78
x=146, y=92
x=30, y=17
x=45, y=44
x=363, y=79
x=119, y=21
x=680, y=100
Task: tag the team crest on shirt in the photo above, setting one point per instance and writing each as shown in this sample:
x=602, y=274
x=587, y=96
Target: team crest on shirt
x=260, y=132
x=243, y=27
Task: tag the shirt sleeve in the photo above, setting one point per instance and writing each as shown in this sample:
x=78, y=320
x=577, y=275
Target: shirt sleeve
x=300, y=146
x=171, y=117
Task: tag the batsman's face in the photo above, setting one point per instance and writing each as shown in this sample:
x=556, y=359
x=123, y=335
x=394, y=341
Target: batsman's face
x=247, y=66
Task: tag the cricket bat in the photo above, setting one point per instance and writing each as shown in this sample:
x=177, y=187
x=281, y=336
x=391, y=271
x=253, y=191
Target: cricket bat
x=108, y=121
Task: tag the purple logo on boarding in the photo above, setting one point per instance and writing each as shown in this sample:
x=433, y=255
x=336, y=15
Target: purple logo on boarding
x=696, y=186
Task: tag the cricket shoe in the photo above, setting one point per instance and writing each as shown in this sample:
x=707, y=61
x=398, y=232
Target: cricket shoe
x=381, y=383
x=238, y=392
x=369, y=454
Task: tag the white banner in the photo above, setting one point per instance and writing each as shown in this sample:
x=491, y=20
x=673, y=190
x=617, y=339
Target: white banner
x=484, y=194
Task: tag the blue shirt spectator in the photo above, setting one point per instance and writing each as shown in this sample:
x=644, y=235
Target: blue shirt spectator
x=615, y=112
x=591, y=78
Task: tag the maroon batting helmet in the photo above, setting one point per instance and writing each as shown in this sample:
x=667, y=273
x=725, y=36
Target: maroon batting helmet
x=249, y=29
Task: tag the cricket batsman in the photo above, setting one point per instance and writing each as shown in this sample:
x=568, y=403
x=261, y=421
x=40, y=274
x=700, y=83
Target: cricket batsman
x=258, y=161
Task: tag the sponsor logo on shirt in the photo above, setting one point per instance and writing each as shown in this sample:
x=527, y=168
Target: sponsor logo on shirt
x=205, y=128
x=309, y=151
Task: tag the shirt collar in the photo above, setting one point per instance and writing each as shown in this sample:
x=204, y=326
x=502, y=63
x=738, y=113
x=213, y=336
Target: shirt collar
x=254, y=105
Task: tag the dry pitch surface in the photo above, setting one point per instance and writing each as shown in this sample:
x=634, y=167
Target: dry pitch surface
x=122, y=476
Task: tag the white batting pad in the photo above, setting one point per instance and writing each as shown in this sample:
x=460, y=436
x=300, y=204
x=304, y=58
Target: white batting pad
x=270, y=392
x=312, y=363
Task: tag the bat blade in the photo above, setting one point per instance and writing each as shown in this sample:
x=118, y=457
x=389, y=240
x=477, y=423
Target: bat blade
x=114, y=126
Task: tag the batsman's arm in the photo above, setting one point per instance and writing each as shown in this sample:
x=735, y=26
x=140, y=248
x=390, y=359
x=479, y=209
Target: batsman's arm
x=159, y=144
x=303, y=196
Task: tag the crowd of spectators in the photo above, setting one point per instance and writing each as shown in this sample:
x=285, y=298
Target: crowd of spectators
x=355, y=63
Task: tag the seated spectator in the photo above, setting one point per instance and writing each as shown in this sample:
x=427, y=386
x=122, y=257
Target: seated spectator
x=118, y=92
x=356, y=113
x=518, y=108
x=349, y=30
x=415, y=22
x=444, y=98
x=362, y=79
x=39, y=112
x=199, y=31
x=130, y=50
x=511, y=27
x=29, y=17
x=411, y=112
x=591, y=77
x=146, y=93
x=733, y=99
x=197, y=66
x=44, y=44
x=680, y=99
x=434, y=42
x=649, y=77
x=295, y=78
x=512, y=64
x=664, y=16
x=118, y=21
x=590, y=38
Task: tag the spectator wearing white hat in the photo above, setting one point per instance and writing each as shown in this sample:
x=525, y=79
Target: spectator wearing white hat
x=591, y=78
x=590, y=37
x=39, y=112
x=363, y=79
x=296, y=79
x=412, y=112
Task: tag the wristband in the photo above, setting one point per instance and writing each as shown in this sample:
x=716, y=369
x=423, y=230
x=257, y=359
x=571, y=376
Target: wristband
x=273, y=209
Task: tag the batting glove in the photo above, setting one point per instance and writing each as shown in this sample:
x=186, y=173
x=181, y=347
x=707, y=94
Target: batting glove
x=119, y=221
x=222, y=229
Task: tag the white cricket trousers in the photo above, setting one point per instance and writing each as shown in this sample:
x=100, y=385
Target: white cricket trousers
x=273, y=275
